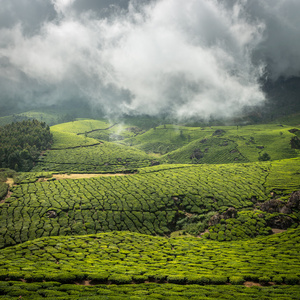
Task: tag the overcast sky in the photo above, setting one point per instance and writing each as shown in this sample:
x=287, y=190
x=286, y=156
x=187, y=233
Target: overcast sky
x=188, y=58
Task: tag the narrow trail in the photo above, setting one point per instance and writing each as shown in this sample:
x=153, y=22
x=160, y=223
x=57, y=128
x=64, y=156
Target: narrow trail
x=100, y=129
x=10, y=182
x=75, y=147
x=79, y=176
x=275, y=230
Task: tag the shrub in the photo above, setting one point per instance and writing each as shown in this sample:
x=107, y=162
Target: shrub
x=64, y=277
x=120, y=279
x=197, y=279
x=139, y=278
x=236, y=280
x=178, y=279
x=99, y=277
x=218, y=279
x=264, y=157
x=264, y=279
x=278, y=279
x=15, y=275
x=251, y=277
x=291, y=279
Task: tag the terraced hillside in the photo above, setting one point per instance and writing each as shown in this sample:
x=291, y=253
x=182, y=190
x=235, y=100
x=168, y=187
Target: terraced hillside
x=74, y=151
x=217, y=144
x=89, y=145
x=123, y=257
x=177, y=231
x=157, y=200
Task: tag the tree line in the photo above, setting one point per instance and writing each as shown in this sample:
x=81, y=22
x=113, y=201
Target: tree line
x=22, y=142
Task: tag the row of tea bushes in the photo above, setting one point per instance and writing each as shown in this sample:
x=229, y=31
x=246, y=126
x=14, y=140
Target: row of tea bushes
x=103, y=157
x=284, y=176
x=55, y=290
x=147, y=202
x=65, y=140
x=248, y=224
x=125, y=257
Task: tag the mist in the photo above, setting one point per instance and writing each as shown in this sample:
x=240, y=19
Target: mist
x=185, y=59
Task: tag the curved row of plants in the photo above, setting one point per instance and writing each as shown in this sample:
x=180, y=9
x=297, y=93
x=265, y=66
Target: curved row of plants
x=149, y=202
x=126, y=257
x=152, y=291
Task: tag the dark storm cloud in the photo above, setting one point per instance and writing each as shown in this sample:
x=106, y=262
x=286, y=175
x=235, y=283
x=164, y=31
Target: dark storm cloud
x=187, y=58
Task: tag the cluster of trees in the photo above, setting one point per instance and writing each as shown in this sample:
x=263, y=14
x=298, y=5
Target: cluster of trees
x=22, y=142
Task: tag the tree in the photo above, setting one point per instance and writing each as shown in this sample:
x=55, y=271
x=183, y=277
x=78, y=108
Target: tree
x=264, y=157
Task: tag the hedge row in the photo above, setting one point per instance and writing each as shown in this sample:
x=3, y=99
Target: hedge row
x=123, y=257
x=55, y=290
x=148, y=202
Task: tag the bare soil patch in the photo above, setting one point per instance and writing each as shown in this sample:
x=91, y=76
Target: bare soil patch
x=79, y=176
x=250, y=284
x=275, y=230
x=10, y=182
x=84, y=282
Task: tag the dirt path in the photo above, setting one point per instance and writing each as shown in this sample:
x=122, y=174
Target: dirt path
x=10, y=182
x=275, y=230
x=79, y=176
x=251, y=284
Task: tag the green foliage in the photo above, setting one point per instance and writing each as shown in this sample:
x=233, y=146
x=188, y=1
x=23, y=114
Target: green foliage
x=63, y=232
x=148, y=202
x=182, y=144
x=124, y=257
x=291, y=279
x=178, y=197
x=120, y=279
x=218, y=279
x=105, y=157
x=3, y=189
x=264, y=157
x=236, y=280
x=295, y=142
x=277, y=279
x=264, y=279
x=14, y=290
x=21, y=144
x=248, y=224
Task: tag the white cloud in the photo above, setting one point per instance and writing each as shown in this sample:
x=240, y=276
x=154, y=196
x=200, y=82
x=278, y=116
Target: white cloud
x=187, y=58
x=61, y=6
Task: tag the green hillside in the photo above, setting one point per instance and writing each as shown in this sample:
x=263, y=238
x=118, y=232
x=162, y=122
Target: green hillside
x=217, y=144
x=193, y=215
x=125, y=257
x=157, y=200
x=97, y=146
x=74, y=150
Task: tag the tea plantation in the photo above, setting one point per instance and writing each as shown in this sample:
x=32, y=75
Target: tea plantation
x=122, y=258
x=93, y=146
x=155, y=201
x=193, y=217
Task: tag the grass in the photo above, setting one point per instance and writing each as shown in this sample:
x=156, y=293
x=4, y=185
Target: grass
x=65, y=140
x=232, y=144
x=81, y=126
x=132, y=148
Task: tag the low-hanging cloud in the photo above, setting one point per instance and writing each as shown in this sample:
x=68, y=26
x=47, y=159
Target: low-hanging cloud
x=195, y=58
